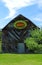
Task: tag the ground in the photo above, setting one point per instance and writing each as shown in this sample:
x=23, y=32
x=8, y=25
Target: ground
x=20, y=59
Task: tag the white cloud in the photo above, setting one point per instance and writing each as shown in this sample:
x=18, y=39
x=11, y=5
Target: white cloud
x=38, y=17
x=39, y=2
x=14, y=5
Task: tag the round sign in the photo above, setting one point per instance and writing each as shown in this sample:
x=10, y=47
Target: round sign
x=20, y=24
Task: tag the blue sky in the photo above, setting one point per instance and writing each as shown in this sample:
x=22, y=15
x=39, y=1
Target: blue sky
x=31, y=9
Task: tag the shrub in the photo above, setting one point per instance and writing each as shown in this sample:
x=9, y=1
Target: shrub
x=34, y=43
x=31, y=44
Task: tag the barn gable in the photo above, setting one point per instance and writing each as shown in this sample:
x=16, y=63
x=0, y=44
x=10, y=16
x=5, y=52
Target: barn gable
x=21, y=17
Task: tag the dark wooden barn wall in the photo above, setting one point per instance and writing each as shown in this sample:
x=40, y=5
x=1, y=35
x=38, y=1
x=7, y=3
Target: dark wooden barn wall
x=11, y=36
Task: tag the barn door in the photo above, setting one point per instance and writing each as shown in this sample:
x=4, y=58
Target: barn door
x=20, y=48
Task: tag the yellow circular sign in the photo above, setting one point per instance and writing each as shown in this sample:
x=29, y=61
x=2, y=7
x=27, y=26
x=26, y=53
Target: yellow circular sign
x=20, y=24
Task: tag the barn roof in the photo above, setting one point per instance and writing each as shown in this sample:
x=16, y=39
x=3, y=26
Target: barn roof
x=18, y=17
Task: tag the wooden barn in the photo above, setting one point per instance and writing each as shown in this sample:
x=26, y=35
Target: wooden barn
x=14, y=34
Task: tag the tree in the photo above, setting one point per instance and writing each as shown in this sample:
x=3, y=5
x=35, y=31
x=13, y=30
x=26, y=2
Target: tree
x=0, y=41
x=37, y=35
x=0, y=35
x=31, y=44
x=34, y=43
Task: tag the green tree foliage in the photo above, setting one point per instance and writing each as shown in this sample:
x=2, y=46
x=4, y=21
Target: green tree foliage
x=31, y=44
x=0, y=40
x=35, y=41
x=37, y=35
x=0, y=35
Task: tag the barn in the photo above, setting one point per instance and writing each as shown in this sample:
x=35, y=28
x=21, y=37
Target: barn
x=14, y=34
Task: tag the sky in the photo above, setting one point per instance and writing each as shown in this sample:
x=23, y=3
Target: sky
x=9, y=9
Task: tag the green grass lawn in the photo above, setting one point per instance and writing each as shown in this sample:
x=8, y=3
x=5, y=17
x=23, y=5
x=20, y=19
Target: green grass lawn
x=20, y=59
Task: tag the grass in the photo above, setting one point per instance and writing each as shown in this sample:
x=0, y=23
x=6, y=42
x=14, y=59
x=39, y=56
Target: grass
x=20, y=59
